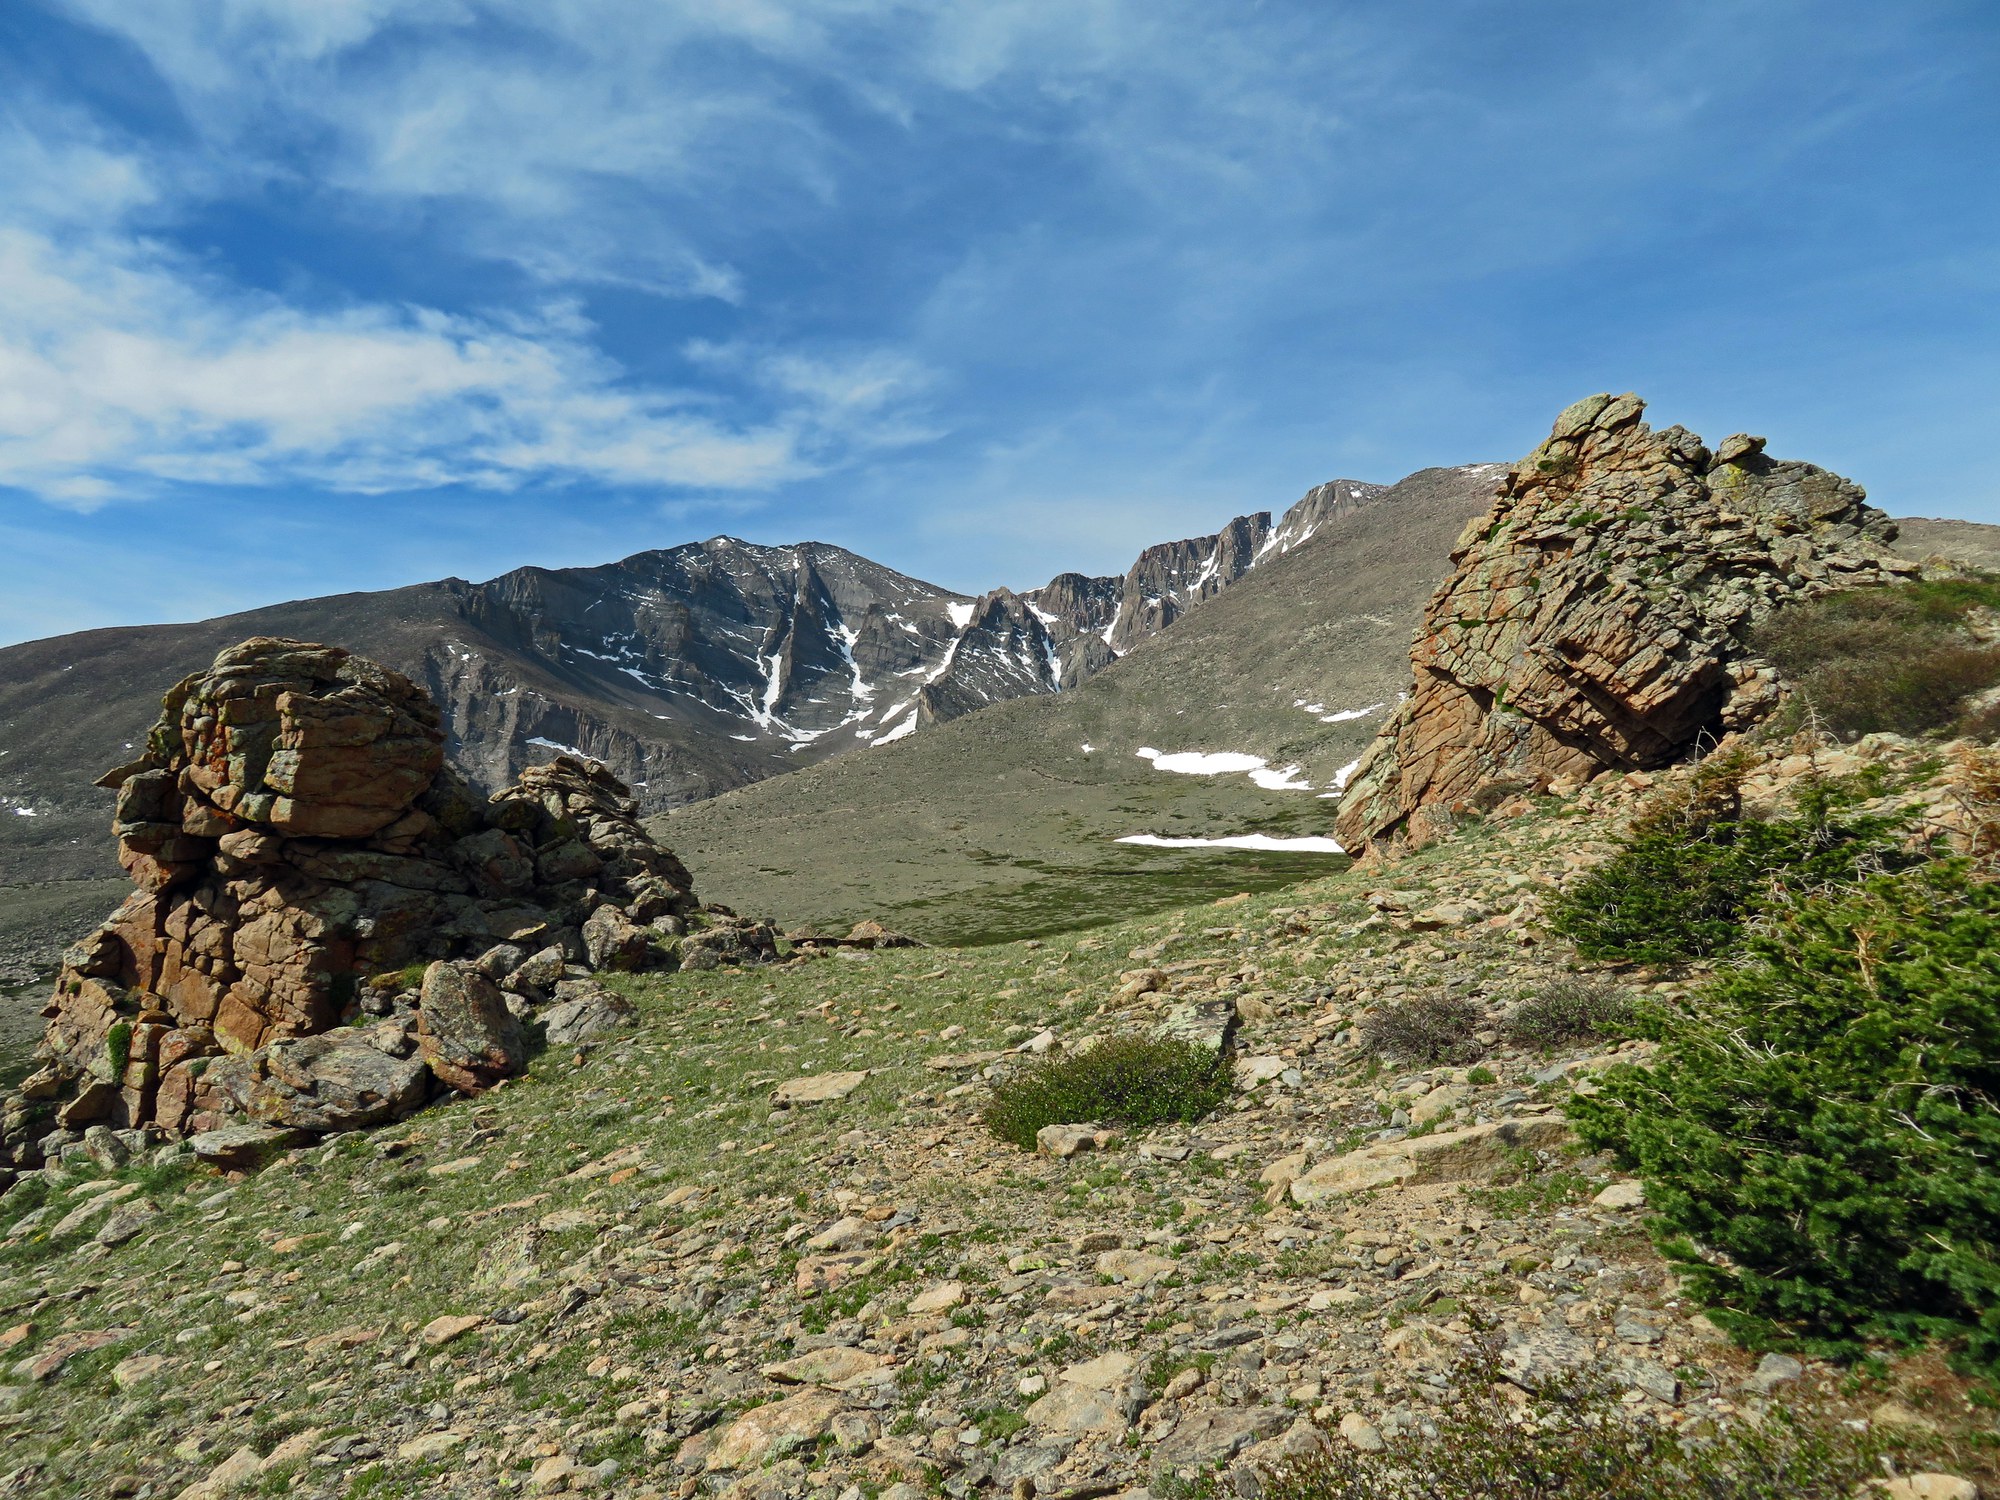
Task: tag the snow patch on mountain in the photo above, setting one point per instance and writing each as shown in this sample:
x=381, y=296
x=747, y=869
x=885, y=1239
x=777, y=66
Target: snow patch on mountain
x=1302, y=844
x=1227, y=763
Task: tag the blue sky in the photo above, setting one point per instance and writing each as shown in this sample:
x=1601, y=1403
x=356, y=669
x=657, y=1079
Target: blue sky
x=301, y=296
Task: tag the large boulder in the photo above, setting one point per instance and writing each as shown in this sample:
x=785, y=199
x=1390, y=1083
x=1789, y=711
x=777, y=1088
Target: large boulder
x=338, y=1080
x=468, y=1036
x=1594, y=617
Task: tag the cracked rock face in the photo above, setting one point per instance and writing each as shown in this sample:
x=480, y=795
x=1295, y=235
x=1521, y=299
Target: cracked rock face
x=297, y=842
x=1594, y=617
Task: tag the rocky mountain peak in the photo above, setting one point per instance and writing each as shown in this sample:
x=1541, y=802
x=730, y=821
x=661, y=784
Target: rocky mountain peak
x=1594, y=616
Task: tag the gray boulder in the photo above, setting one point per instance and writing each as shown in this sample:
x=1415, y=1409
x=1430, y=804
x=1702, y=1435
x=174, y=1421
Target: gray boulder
x=337, y=1080
x=613, y=940
x=466, y=1034
x=243, y=1146
x=585, y=1009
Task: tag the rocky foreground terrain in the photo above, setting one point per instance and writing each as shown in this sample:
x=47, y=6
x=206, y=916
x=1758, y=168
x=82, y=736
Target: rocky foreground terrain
x=742, y=1228
x=759, y=1244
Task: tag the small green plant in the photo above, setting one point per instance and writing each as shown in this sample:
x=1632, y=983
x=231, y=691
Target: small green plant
x=1696, y=870
x=1818, y=1132
x=1481, y=1075
x=1431, y=1028
x=118, y=1048
x=1125, y=1080
x=1571, y=1009
x=1573, y=1443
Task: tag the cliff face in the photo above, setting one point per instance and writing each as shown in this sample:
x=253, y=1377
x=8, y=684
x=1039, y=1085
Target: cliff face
x=1594, y=616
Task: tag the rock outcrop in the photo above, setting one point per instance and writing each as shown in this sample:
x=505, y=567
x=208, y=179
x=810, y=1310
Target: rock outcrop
x=1594, y=618
x=301, y=852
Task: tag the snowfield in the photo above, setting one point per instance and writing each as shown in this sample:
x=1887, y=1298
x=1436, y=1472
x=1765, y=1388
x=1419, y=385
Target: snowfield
x=1267, y=841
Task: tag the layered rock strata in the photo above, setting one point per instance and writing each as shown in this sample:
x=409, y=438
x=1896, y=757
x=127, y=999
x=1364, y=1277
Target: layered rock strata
x=301, y=852
x=1595, y=616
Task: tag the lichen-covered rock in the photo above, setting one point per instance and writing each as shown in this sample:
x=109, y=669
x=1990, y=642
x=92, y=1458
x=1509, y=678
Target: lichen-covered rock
x=584, y=1009
x=338, y=1080
x=468, y=1037
x=293, y=831
x=1594, y=617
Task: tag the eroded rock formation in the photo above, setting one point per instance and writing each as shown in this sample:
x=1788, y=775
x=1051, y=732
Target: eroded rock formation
x=1594, y=618
x=301, y=852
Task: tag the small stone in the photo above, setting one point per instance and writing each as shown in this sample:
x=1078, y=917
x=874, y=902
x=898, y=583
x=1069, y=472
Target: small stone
x=1186, y=1383
x=1075, y=1410
x=138, y=1370
x=126, y=1223
x=1928, y=1486
x=850, y=1233
x=836, y=1367
x=772, y=1431
x=552, y=1472
x=430, y=1446
x=294, y=1449
x=1032, y=1385
x=942, y=1297
x=818, y=1088
x=1627, y=1194
x=1107, y=1372
x=1774, y=1370
x=236, y=1472
x=243, y=1146
x=1141, y=1266
x=1360, y=1433
x=441, y=1331
x=1067, y=1140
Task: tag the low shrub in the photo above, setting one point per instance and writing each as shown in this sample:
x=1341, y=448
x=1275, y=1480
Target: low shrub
x=1125, y=1080
x=1688, y=879
x=1819, y=1134
x=1896, y=659
x=1572, y=1443
x=1431, y=1028
x=1574, y=1008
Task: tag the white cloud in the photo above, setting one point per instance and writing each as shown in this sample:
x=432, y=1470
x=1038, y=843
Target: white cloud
x=123, y=367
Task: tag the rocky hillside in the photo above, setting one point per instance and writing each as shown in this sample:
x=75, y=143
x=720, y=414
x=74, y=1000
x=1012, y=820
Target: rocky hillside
x=687, y=671
x=771, y=1231
x=759, y=1246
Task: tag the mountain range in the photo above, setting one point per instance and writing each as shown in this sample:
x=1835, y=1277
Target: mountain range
x=689, y=671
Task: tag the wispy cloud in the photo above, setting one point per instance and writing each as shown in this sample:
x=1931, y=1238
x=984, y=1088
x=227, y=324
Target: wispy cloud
x=981, y=285
x=122, y=368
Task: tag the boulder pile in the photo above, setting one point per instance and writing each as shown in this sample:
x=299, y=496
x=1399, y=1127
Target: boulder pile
x=328, y=923
x=1595, y=616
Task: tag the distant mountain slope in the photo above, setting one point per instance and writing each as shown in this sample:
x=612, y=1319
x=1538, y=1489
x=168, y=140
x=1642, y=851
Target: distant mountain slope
x=1006, y=813
x=1963, y=541
x=1020, y=804
x=688, y=671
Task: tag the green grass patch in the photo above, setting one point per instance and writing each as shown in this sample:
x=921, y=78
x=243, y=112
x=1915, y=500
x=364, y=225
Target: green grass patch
x=1123, y=1080
x=1896, y=659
